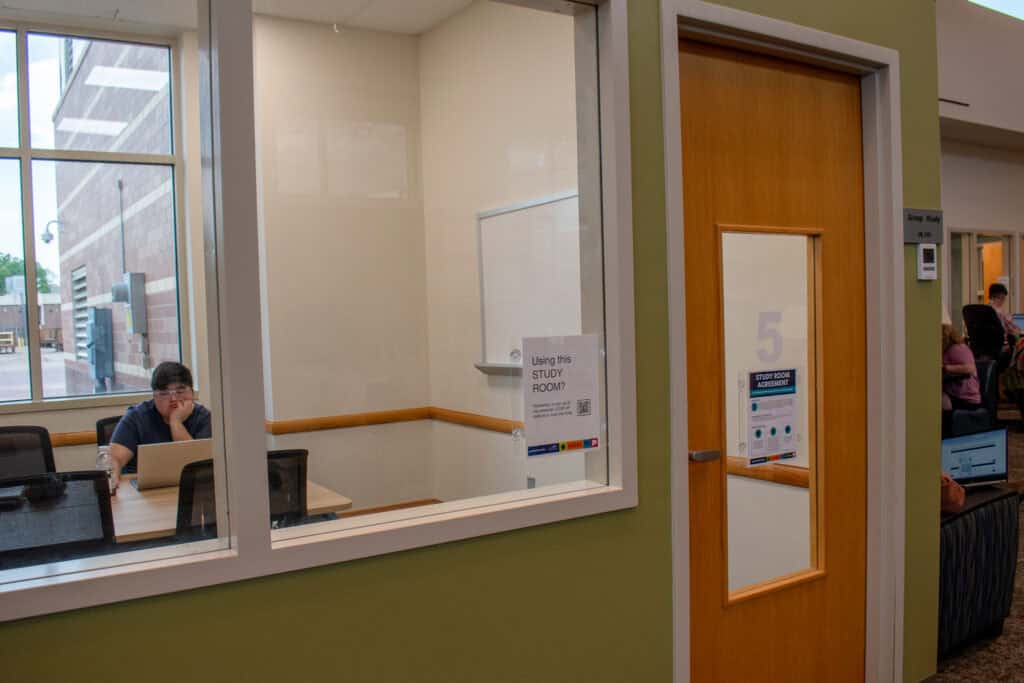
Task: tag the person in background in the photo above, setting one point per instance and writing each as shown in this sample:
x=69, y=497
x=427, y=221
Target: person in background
x=960, y=388
x=997, y=294
x=171, y=415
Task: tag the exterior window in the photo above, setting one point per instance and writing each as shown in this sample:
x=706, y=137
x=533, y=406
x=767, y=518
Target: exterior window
x=103, y=236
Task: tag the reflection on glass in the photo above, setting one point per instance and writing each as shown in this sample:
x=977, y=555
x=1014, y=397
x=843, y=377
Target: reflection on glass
x=97, y=226
x=15, y=384
x=8, y=90
x=423, y=210
x=769, y=370
x=99, y=95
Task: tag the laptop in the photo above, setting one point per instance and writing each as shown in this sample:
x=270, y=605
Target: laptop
x=1018, y=320
x=976, y=459
x=160, y=464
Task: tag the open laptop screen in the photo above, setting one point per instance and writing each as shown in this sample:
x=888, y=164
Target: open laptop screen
x=976, y=458
x=1018, y=320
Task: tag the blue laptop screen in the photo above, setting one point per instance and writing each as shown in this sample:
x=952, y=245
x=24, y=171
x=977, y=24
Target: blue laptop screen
x=1018, y=320
x=976, y=458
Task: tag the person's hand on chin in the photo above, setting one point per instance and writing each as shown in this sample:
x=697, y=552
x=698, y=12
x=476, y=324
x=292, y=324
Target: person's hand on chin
x=181, y=412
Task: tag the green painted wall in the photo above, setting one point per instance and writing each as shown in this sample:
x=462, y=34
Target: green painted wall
x=586, y=600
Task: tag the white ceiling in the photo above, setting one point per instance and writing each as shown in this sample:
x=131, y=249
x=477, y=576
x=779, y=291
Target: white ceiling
x=397, y=16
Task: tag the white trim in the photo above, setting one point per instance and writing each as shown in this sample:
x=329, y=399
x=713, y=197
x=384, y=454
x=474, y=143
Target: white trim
x=235, y=344
x=879, y=71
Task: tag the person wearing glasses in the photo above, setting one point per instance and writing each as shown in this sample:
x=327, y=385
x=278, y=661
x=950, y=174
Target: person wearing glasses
x=171, y=415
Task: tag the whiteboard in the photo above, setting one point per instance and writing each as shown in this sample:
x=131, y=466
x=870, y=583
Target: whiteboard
x=529, y=274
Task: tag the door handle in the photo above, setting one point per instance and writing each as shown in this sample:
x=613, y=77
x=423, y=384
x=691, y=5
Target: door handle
x=705, y=456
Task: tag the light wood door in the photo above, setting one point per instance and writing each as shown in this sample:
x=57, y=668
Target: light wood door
x=771, y=147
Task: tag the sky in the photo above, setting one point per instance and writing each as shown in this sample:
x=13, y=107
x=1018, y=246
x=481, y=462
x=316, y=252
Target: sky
x=44, y=82
x=1015, y=8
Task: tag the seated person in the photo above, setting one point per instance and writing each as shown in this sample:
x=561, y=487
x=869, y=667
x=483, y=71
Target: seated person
x=960, y=387
x=171, y=415
x=997, y=294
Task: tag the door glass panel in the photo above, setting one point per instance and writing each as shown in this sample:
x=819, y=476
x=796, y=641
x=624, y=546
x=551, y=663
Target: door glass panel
x=769, y=317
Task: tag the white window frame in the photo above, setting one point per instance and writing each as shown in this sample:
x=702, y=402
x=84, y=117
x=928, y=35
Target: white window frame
x=26, y=153
x=230, y=206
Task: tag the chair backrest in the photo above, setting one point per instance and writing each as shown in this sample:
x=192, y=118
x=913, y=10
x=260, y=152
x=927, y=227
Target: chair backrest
x=53, y=517
x=25, y=451
x=985, y=334
x=988, y=383
x=286, y=480
x=105, y=429
x=197, y=501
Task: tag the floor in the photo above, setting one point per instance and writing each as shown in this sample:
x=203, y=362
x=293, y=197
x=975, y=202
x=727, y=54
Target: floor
x=1001, y=659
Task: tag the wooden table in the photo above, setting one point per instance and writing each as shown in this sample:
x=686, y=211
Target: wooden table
x=139, y=515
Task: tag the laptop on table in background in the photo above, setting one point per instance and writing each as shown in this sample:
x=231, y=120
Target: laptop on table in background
x=976, y=459
x=160, y=464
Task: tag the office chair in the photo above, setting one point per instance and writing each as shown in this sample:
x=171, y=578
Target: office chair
x=286, y=479
x=25, y=451
x=54, y=517
x=985, y=334
x=105, y=429
x=197, y=502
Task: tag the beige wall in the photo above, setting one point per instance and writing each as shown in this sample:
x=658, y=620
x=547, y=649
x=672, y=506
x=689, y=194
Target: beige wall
x=981, y=188
x=341, y=219
x=980, y=53
x=483, y=149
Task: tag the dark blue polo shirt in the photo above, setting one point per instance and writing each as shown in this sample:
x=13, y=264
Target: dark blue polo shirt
x=142, y=424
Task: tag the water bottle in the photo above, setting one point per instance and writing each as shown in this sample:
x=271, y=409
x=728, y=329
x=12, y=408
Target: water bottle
x=105, y=464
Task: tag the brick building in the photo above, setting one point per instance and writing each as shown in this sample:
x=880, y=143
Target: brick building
x=115, y=218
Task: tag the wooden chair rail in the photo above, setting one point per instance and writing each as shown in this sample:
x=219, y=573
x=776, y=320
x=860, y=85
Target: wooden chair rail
x=313, y=424
x=790, y=475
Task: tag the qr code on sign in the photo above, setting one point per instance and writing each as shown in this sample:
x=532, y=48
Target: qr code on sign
x=583, y=406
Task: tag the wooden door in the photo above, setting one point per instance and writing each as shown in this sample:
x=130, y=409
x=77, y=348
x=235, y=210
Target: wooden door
x=772, y=176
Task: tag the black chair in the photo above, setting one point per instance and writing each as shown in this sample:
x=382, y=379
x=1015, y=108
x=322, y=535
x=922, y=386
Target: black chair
x=54, y=517
x=197, y=502
x=105, y=429
x=985, y=333
x=25, y=451
x=286, y=480
x=982, y=418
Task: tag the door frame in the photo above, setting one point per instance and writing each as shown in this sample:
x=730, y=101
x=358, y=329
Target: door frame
x=878, y=68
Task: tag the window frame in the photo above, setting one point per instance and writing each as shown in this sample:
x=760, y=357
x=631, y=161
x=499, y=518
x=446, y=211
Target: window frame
x=26, y=154
x=230, y=207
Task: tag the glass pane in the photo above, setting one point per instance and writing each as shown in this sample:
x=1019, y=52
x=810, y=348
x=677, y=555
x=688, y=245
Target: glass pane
x=421, y=217
x=769, y=372
x=99, y=95
x=14, y=364
x=107, y=234
x=959, y=278
x=8, y=90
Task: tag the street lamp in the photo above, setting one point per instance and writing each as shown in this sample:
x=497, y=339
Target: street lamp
x=48, y=236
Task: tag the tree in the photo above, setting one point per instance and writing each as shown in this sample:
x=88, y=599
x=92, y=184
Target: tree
x=12, y=265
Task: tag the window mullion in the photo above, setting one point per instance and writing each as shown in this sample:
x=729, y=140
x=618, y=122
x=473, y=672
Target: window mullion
x=27, y=223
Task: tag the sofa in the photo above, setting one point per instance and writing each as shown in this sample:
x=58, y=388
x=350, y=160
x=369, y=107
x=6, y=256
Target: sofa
x=977, y=567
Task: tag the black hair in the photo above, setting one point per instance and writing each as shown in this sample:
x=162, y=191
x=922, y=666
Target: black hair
x=997, y=289
x=168, y=373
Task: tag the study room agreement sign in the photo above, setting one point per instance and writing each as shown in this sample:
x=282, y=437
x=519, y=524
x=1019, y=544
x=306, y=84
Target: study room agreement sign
x=773, y=412
x=560, y=393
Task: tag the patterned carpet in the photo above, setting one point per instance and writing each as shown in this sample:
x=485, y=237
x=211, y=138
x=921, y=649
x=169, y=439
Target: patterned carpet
x=1000, y=659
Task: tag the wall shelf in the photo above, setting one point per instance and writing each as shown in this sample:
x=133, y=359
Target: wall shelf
x=508, y=369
